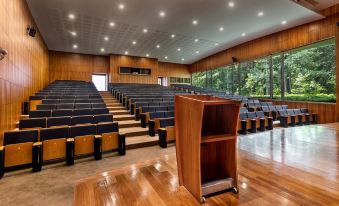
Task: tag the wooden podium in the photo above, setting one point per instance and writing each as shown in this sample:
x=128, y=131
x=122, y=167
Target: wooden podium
x=206, y=138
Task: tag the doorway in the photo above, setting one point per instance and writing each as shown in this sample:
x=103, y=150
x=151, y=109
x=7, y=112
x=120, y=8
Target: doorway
x=100, y=81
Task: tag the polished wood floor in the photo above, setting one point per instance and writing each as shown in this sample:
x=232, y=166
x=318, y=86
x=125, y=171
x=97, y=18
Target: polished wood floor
x=294, y=166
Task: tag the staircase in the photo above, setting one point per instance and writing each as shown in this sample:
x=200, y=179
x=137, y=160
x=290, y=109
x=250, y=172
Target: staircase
x=136, y=136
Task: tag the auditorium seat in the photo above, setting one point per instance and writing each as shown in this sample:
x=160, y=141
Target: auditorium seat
x=58, y=121
x=85, y=119
x=108, y=133
x=55, y=145
x=102, y=118
x=96, y=111
x=32, y=123
x=80, y=112
x=65, y=106
x=263, y=122
x=166, y=131
x=98, y=105
x=66, y=101
x=62, y=112
x=84, y=140
x=46, y=106
x=20, y=149
x=82, y=106
x=40, y=113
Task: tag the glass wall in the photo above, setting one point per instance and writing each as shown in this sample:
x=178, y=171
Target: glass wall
x=305, y=74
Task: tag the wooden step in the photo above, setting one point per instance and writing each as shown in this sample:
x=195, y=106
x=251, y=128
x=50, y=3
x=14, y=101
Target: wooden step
x=24, y=116
x=129, y=123
x=119, y=112
x=113, y=104
x=116, y=108
x=123, y=117
x=141, y=141
x=133, y=131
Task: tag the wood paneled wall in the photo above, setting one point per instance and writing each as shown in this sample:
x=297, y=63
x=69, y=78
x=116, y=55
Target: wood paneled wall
x=70, y=66
x=277, y=42
x=159, y=69
x=25, y=69
x=337, y=66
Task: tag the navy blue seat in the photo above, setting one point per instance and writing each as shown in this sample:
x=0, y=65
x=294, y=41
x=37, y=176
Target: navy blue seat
x=58, y=121
x=62, y=112
x=40, y=113
x=32, y=123
x=85, y=119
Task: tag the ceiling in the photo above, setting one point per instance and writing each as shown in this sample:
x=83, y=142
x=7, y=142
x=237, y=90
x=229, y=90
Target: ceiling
x=92, y=24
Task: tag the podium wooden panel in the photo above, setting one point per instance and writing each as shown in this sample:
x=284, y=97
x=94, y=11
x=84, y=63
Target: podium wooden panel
x=206, y=129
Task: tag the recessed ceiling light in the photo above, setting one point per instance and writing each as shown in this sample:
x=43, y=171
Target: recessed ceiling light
x=134, y=42
x=195, y=22
x=243, y=34
x=102, y=49
x=111, y=24
x=126, y=52
x=231, y=4
x=221, y=29
x=196, y=40
x=197, y=52
x=106, y=38
x=73, y=33
x=216, y=44
x=147, y=55
x=172, y=35
x=261, y=13
x=182, y=59
x=179, y=49
x=121, y=6
x=75, y=46
x=284, y=22
x=162, y=14
x=166, y=57
x=71, y=16
x=145, y=30
x=158, y=46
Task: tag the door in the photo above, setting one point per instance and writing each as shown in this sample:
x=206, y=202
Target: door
x=100, y=81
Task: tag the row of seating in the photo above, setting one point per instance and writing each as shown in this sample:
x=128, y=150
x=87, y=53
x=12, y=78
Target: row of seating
x=67, y=112
x=63, y=121
x=135, y=107
x=40, y=97
x=33, y=148
x=292, y=117
x=71, y=101
x=253, y=121
x=70, y=106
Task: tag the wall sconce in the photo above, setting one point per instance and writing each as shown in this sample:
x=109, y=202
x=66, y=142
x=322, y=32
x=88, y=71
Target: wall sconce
x=3, y=53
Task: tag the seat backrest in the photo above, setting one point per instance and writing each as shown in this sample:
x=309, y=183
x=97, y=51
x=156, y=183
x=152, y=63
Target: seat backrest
x=54, y=133
x=153, y=104
x=251, y=115
x=85, y=119
x=265, y=108
x=269, y=103
x=32, y=123
x=62, y=112
x=160, y=109
x=15, y=137
x=82, y=106
x=243, y=110
x=67, y=97
x=96, y=101
x=296, y=111
x=243, y=115
x=95, y=96
x=65, y=106
x=282, y=112
x=82, y=101
x=260, y=114
x=50, y=101
x=166, y=122
x=148, y=109
x=82, y=97
x=58, y=121
x=67, y=101
x=99, y=105
x=278, y=107
x=290, y=111
x=82, y=130
x=154, y=115
x=170, y=108
x=80, y=112
x=284, y=106
x=102, y=118
x=96, y=111
x=46, y=106
x=169, y=114
x=107, y=127
x=40, y=113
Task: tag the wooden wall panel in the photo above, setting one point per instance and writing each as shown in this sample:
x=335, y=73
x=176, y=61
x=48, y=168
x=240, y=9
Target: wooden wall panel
x=277, y=42
x=70, y=66
x=159, y=69
x=173, y=70
x=24, y=70
x=337, y=66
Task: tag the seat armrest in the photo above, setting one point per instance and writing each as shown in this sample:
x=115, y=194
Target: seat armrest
x=2, y=161
x=122, y=144
x=162, y=137
x=151, y=128
x=97, y=147
x=70, y=151
x=37, y=156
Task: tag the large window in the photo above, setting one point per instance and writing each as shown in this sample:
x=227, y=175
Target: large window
x=303, y=74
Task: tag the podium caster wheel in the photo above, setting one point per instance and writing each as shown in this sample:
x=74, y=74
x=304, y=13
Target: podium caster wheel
x=203, y=200
x=235, y=190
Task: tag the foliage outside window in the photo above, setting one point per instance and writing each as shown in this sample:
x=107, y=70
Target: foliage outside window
x=308, y=75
